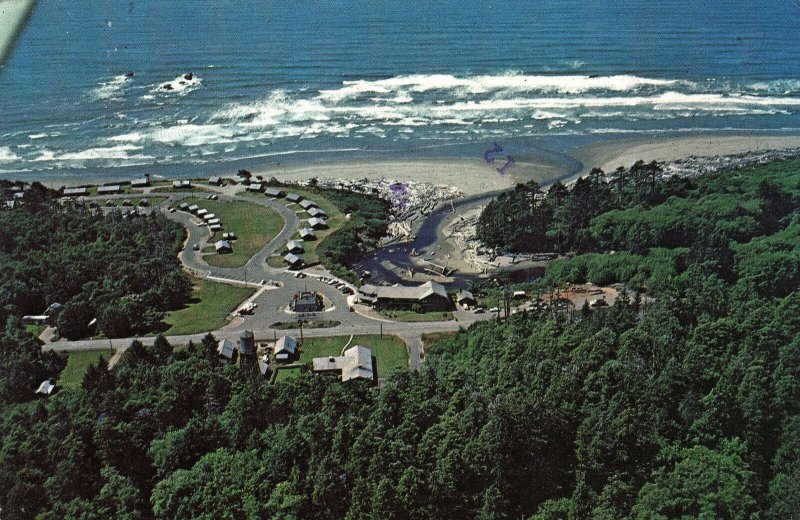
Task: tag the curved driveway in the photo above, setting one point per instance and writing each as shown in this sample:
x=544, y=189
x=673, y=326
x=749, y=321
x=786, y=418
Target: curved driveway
x=273, y=302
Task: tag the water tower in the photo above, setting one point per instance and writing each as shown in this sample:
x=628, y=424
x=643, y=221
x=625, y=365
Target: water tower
x=248, y=360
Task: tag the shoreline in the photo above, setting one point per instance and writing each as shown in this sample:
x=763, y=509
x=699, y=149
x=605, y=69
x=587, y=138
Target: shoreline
x=474, y=176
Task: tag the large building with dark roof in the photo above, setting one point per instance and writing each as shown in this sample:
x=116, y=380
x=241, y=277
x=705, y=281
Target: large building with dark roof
x=430, y=296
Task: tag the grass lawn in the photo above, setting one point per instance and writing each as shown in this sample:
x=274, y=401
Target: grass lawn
x=209, y=307
x=253, y=225
x=77, y=365
x=335, y=218
x=389, y=351
x=35, y=329
x=411, y=316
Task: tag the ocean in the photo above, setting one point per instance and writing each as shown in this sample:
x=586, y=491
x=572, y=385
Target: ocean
x=221, y=84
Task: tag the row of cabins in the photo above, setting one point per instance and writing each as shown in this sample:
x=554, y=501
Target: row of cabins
x=214, y=224
x=357, y=362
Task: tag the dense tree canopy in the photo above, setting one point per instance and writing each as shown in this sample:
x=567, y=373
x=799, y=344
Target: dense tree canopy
x=122, y=271
x=687, y=407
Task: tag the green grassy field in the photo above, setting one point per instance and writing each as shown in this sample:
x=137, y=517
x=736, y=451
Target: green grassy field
x=335, y=218
x=209, y=308
x=77, y=365
x=253, y=225
x=35, y=329
x=389, y=351
x=411, y=316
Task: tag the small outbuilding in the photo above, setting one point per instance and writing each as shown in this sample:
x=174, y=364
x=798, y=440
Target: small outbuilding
x=47, y=387
x=307, y=204
x=181, y=185
x=285, y=348
x=293, y=260
x=255, y=187
x=194, y=208
x=274, y=192
x=317, y=223
x=223, y=247
x=465, y=298
x=307, y=234
x=294, y=197
x=226, y=349
x=294, y=246
x=215, y=181
x=318, y=213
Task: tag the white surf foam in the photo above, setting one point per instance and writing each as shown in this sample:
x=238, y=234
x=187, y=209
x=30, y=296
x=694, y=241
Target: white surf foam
x=180, y=85
x=7, y=155
x=488, y=83
x=110, y=89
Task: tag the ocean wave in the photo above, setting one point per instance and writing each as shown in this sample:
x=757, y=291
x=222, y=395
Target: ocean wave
x=7, y=155
x=112, y=88
x=567, y=84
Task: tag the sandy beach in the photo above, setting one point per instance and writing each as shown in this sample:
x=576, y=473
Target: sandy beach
x=475, y=176
x=471, y=176
x=612, y=154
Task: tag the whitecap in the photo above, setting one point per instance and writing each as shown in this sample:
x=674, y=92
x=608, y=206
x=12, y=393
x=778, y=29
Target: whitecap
x=7, y=155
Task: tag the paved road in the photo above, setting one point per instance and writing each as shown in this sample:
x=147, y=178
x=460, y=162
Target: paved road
x=273, y=302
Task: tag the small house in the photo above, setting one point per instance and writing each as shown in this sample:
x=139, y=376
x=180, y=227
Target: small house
x=215, y=227
x=307, y=204
x=215, y=181
x=294, y=197
x=255, y=187
x=293, y=260
x=294, y=246
x=316, y=212
x=317, y=223
x=223, y=247
x=201, y=212
x=209, y=216
x=213, y=221
x=183, y=206
x=226, y=349
x=194, y=208
x=285, y=348
x=274, y=192
x=307, y=234
x=181, y=185
x=144, y=203
x=465, y=298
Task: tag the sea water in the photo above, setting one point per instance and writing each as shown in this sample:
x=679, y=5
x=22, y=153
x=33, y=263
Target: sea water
x=294, y=81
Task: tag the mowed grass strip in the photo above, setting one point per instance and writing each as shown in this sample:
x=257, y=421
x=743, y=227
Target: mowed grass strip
x=336, y=219
x=415, y=317
x=389, y=351
x=254, y=226
x=78, y=364
x=210, y=305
